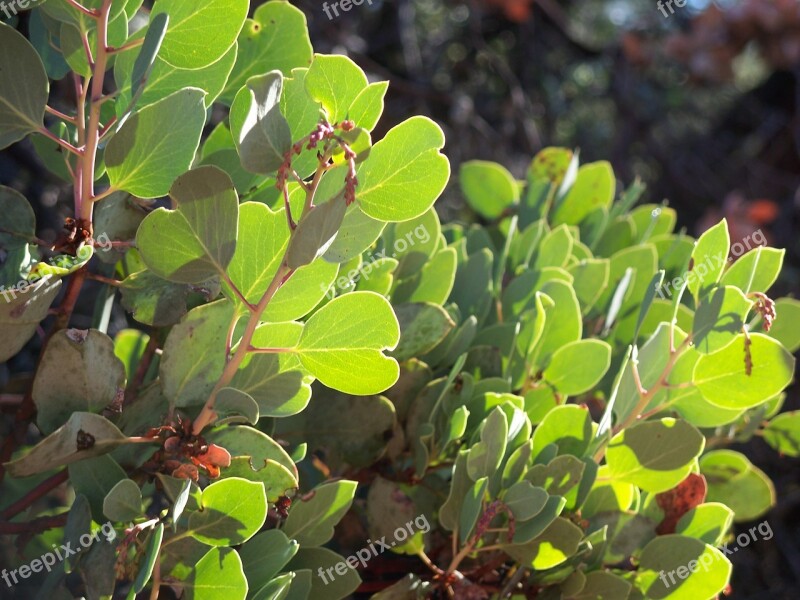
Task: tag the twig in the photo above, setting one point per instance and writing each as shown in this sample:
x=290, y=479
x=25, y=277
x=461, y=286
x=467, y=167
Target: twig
x=35, y=526
x=87, y=11
x=59, y=114
x=141, y=371
x=63, y=143
x=32, y=496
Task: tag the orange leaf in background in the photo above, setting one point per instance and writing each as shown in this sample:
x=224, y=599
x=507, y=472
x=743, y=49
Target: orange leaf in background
x=678, y=501
x=762, y=211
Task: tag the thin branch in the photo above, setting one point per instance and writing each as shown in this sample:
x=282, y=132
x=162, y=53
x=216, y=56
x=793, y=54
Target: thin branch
x=106, y=280
x=35, y=526
x=104, y=194
x=237, y=292
x=87, y=11
x=125, y=47
x=63, y=143
x=60, y=115
x=254, y=350
x=141, y=371
x=107, y=127
x=35, y=494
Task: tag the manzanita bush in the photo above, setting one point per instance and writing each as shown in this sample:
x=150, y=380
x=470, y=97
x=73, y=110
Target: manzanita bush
x=549, y=395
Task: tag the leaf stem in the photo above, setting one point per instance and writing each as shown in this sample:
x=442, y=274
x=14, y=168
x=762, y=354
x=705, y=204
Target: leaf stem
x=125, y=47
x=63, y=143
x=87, y=11
x=58, y=114
x=237, y=292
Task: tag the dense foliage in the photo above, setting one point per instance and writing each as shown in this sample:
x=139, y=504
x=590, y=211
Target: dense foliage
x=537, y=406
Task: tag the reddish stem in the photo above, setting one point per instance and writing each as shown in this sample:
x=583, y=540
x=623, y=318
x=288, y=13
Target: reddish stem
x=40, y=490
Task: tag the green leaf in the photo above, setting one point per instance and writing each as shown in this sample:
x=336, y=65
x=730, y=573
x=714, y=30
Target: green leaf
x=123, y=502
x=578, y=366
x=366, y=109
x=422, y=327
x=61, y=448
x=142, y=160
x=783, y=433
x=405, y=172
x=554, y=546
x=95, y=478
x=198, y=36
x=276, y=38
x=311, y=521
x=24, y=87
x=314, y=559
x=488, y=187
x=486, y=455
x=44, y=36
x=79, y=522
x=655, y=455
x=155, y=301
x=256, y=457
x=719, y=318
x=335, y=81
x=265, y=555
x=259, y=129
x=315, y=233
x=165, y=79
x=735, y=482
x=217, y=576
x=351, y=431
x=149, y=561
x=563, y=321
x=193, y=358
x=276, y=382
x=143, y=65
x=95, y=378
x=203, y=226
x=676, y=566
x=261, y=243
x=709, y=256
x=602, y=584
x=722, y=376
x=568, y=426
x=351, y=329
x=21, y=311
x=554, y=249
x=784, y=329
x=590, y=278
x=234, y=406
x=471, y=508
x=524, y=500
x=594, y=187
x=709, y=522
x=231, y=512
x=389, y=509
x=433, y=283
x=756, y=271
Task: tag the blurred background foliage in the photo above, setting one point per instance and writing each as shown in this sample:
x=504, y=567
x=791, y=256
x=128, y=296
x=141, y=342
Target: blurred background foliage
x=702, y=104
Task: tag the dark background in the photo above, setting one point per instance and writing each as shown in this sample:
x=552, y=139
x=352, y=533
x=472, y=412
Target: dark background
x=702, y=105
